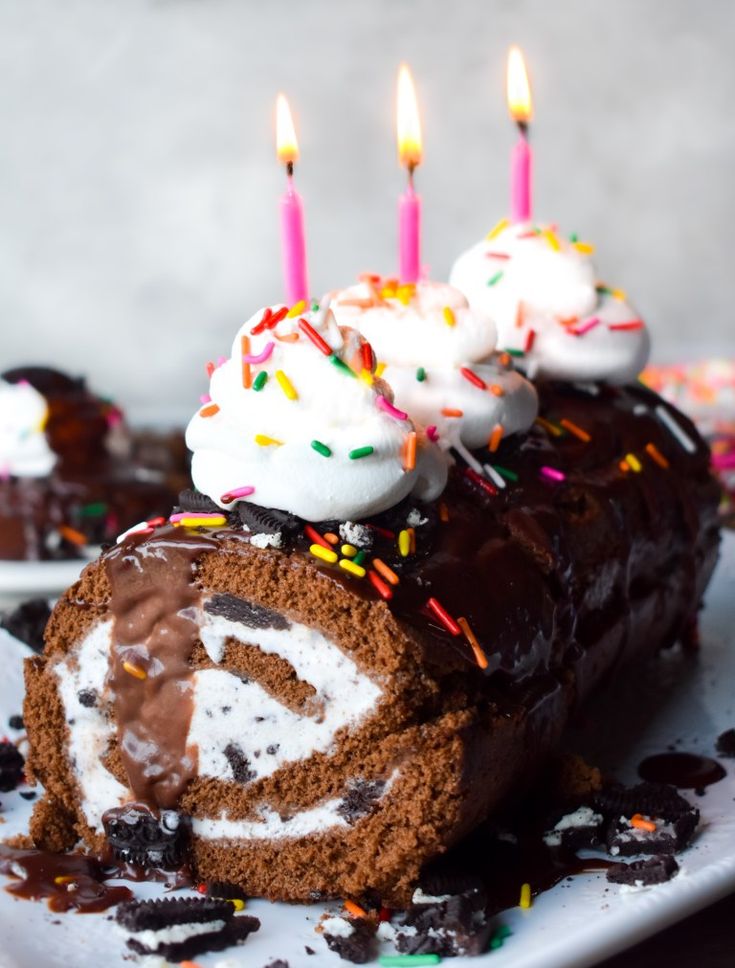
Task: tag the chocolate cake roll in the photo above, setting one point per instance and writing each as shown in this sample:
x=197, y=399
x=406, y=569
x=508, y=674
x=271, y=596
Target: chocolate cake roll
x=72, y=473
x=312, y=704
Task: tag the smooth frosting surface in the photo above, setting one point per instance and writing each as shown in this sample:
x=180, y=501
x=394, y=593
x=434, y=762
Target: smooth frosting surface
x=24, y=450
x=307, y=427
x=547, y=302
x=440, y=358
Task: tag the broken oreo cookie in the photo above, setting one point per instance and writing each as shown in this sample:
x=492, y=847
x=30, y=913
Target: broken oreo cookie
x=575, y=830
x=260, y=520
x=445, y=925
x=136, y=836
x=665, y=822
x=726, y=743
x=175, y=928
x=28, y=622
x=642, y=873
x=11, y=767
x=351, y=938
x=191, y=500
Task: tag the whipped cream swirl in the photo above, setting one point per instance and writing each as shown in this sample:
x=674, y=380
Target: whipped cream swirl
x=440, y=358
x=544, y=295
x=24, y=450
x=296, y=419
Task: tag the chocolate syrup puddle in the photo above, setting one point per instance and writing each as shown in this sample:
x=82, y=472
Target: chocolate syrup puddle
x=153, y=589
x=66, y=881
x=689, y=771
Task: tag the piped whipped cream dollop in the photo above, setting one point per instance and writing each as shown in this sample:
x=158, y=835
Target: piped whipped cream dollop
x=440, y=358
x=549, y=306
x=24, y=449
x=296, y=419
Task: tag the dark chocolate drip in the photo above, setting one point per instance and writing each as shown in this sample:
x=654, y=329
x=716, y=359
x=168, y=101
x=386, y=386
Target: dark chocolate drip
x=688, y=771
x=67, y=881
x=153, y=595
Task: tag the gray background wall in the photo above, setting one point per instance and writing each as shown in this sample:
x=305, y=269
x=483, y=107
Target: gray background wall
x=138, y=185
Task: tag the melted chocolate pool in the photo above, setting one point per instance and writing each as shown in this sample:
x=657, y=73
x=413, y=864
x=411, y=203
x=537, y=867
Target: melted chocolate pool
x=689, y=771
x=67, y=881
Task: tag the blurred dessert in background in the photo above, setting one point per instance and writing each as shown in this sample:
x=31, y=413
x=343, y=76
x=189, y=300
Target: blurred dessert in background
x=72, y=474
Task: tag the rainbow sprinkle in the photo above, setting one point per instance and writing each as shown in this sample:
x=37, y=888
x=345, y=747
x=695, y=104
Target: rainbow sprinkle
x=261, y=357
x=421, y=374
x=324, y=554
x=286, y=385
x=229, y=496
x=360, y=452
x=552, y=473
x=383, y=403
x=263, y=440
x=449, y=318
x=444, y=617
x=495, y=279
x=321, y=448
x=260, y=380
x=352, y=567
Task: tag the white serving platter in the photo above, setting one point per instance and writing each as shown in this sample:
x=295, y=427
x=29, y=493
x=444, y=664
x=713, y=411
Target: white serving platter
x=676, y=699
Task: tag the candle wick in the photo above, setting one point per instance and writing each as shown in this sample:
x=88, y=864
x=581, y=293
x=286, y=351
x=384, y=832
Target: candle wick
x=411, y=169
x=523, y=129
x=289, y=169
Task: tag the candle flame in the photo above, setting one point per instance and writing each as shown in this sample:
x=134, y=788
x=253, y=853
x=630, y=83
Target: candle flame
x=287, y=147
x=409, y=125
x=519, y=90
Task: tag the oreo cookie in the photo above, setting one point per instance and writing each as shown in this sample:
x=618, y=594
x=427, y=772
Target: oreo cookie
x=28, y=622
x=11, y=767
x=353, y=939
x=644, y=873
x=575, y=830
x=136, y=836
x=223, y=889
x=246, y=613
x=161, y=921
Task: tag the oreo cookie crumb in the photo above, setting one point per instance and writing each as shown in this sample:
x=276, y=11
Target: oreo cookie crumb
x=360, y=799
x=246, y=613
x=28, y=622
x=308, y=950
x=87, y=697
x=136, y=836
x=726, y=743
x=278, y=963
x=28, y=794
x=11, y=767
x=191, y=500
x=642, y=873
x=239, y=763
x=352, y=939
x=16, y=722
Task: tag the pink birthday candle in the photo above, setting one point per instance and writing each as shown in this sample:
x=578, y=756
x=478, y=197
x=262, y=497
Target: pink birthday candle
x=409, y=155
x=293, y=240
x=520, y=108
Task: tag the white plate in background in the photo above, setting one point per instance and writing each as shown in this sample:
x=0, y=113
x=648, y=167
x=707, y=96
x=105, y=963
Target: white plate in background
x=578, y=923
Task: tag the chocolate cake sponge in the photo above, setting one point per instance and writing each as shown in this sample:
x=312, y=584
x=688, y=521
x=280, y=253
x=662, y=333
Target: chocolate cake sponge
x=320, y=734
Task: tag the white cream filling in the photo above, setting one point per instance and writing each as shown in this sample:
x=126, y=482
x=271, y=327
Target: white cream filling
x=337, y=927
x=174, y=934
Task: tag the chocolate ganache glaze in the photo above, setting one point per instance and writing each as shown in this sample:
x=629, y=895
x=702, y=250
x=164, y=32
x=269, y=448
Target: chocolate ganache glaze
x=557, y=571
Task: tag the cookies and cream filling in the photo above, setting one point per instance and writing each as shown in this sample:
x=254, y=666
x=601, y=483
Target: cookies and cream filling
x=230, y=712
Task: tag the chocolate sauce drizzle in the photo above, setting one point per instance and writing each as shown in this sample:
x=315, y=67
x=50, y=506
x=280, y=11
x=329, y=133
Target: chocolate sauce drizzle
x=153, y=593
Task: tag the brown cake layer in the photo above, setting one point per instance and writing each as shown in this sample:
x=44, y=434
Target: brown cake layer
x=561, y=577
